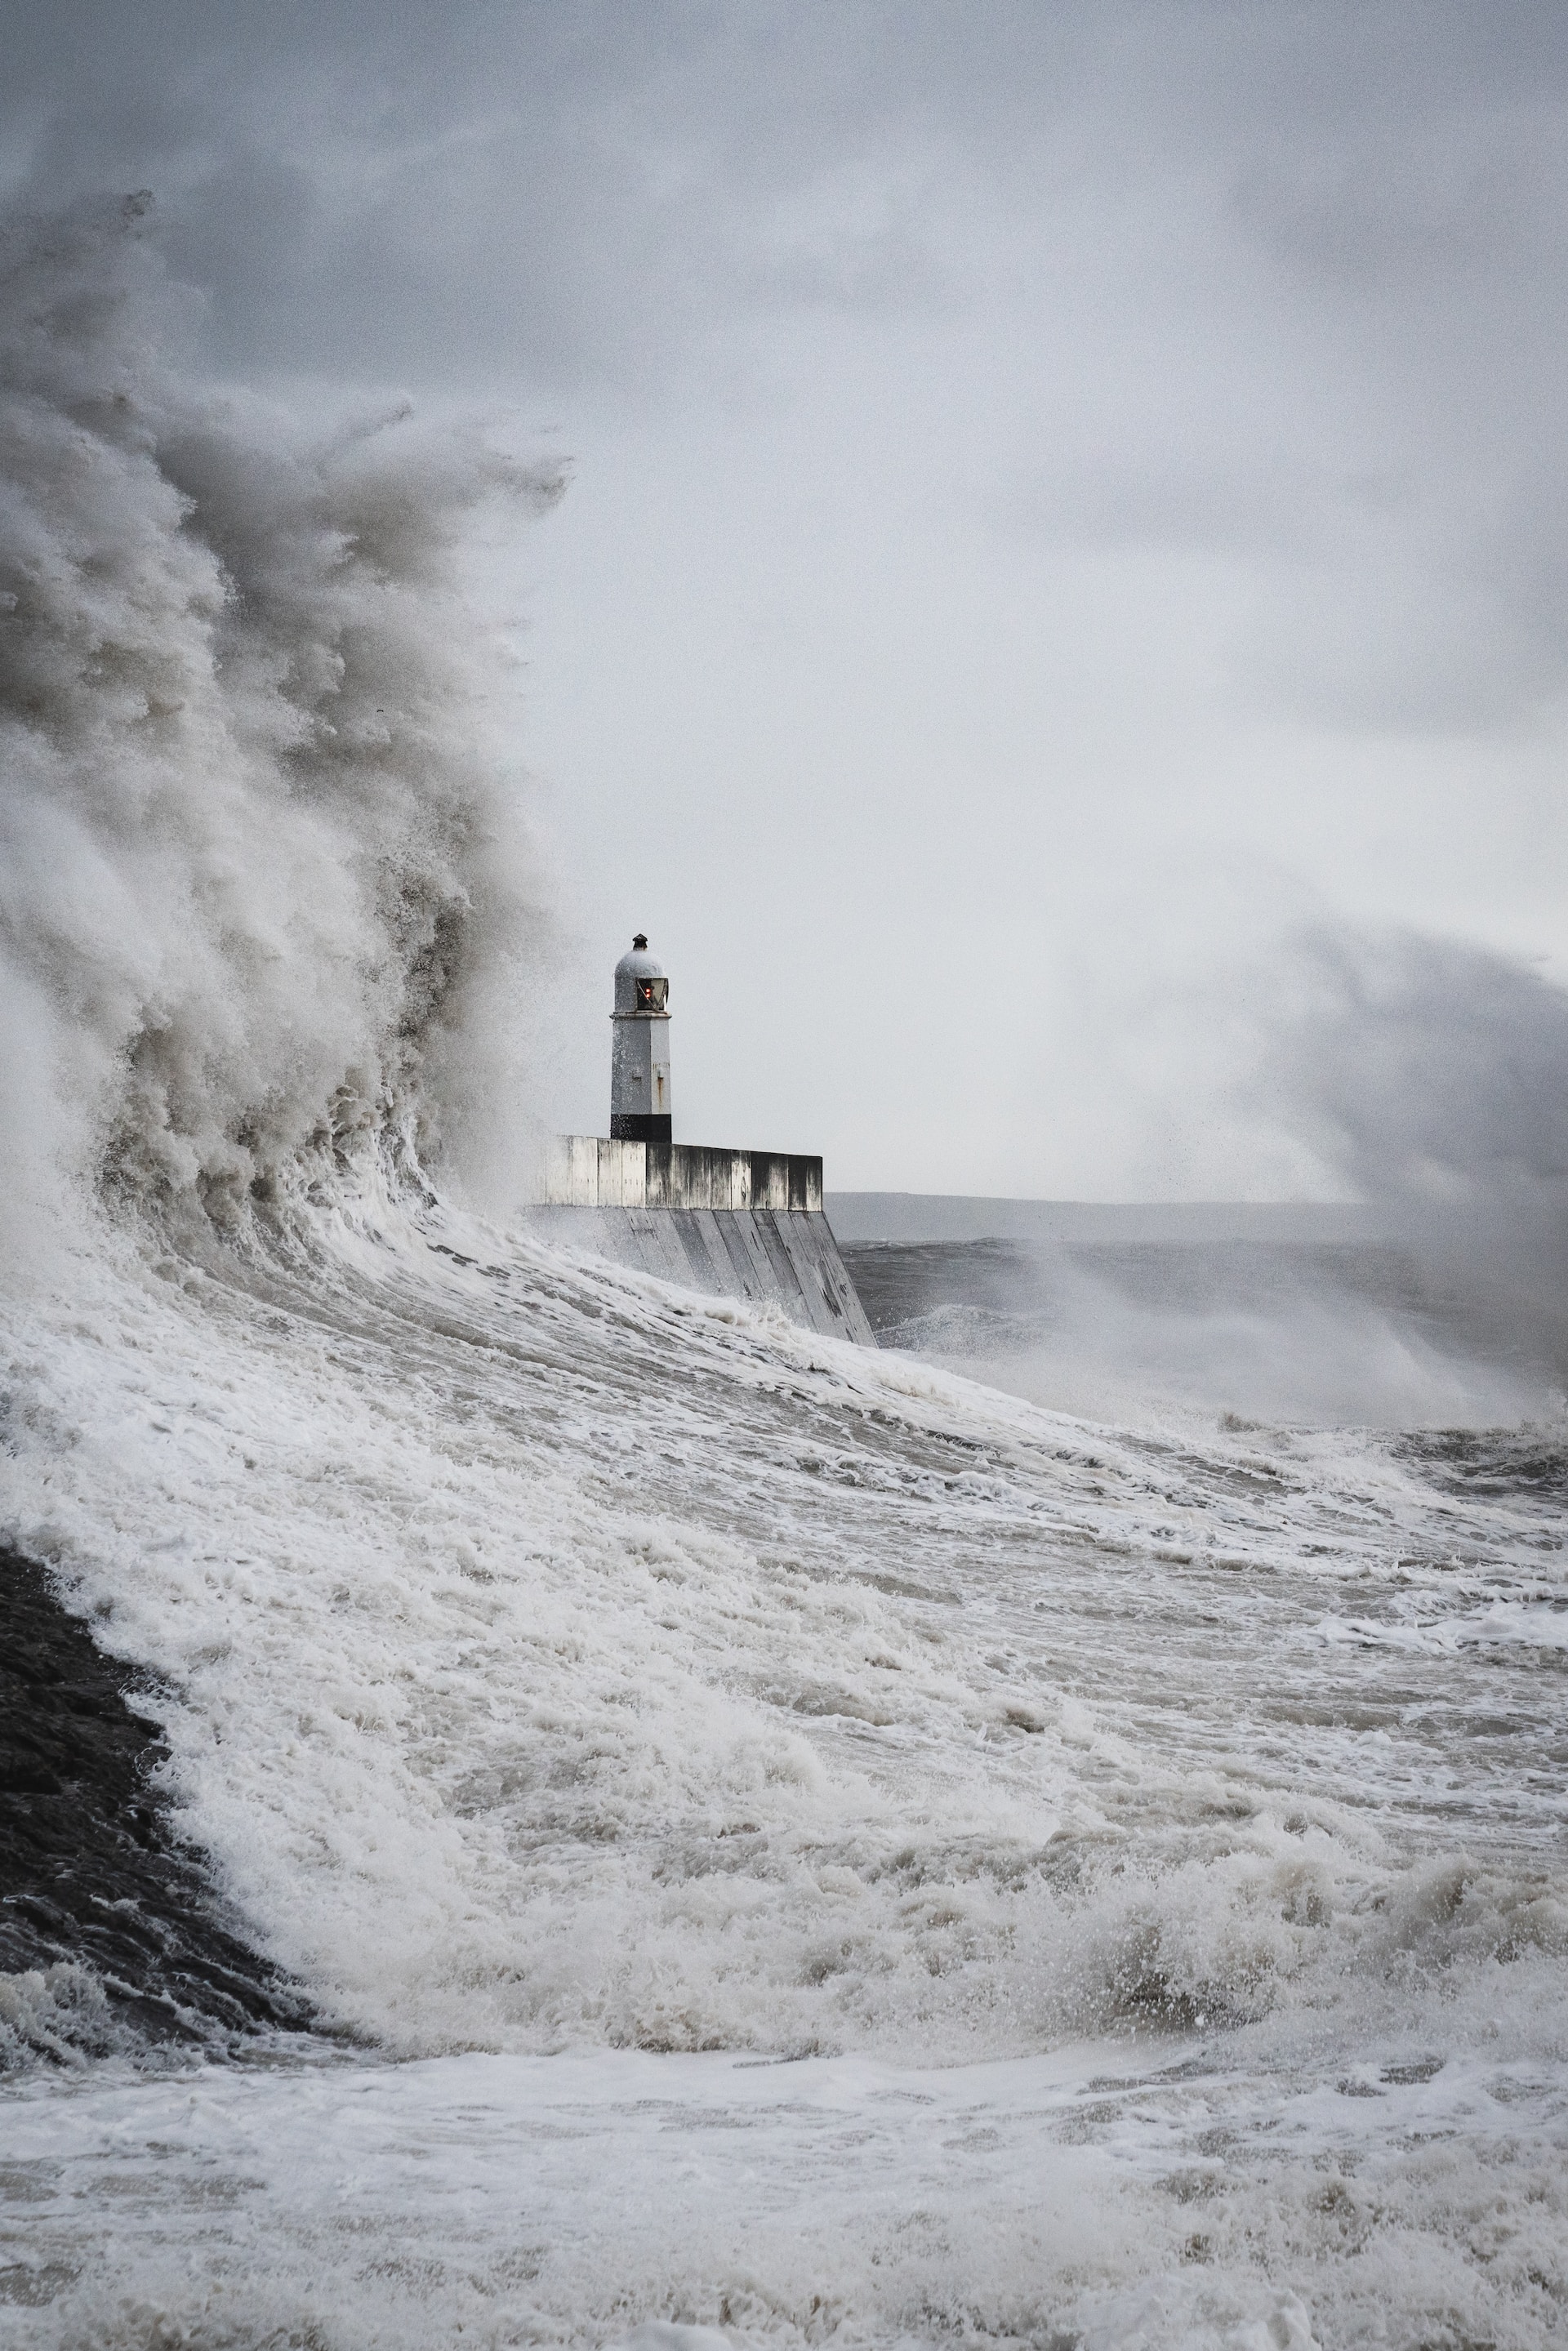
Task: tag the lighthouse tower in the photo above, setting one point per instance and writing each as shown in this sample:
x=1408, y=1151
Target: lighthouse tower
x=639, y=1049
x=736, y=1224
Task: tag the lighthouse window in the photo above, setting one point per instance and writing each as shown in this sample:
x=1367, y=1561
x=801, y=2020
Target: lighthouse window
x=652, y=994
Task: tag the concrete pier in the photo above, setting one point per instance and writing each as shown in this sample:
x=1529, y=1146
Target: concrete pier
x=734, y=1224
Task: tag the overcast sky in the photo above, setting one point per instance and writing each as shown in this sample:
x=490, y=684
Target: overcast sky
x=1061, y=498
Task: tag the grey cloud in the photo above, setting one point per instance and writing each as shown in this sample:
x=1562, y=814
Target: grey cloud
x=571, y=187
x=1194, y=505
x=1279, y=287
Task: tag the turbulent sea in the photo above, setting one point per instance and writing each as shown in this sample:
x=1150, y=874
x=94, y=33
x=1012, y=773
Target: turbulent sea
x=545, y=1809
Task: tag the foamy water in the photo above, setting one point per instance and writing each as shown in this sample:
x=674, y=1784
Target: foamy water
x=555, y=1666
x=778, y=1838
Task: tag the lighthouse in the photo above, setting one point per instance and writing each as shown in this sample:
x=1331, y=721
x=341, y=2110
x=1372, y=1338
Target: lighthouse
x=733, y=1224
x=639, y=1049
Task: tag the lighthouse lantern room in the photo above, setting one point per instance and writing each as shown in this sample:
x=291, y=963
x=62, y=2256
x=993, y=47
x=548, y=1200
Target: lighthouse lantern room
x=639, y=1049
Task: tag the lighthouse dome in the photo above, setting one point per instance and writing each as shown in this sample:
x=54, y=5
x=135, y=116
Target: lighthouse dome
x=640, y=982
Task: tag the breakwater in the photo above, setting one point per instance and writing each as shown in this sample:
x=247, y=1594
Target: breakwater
x=736, y=1224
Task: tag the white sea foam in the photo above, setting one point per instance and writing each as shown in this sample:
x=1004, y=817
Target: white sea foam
x=555, y=1664
x=1078, y=2196
x=1145, y=1844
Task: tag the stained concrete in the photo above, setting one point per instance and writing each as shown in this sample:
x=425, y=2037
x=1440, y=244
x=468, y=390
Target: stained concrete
x=734, y=1224
x=788, y=1255
x=596, y=1171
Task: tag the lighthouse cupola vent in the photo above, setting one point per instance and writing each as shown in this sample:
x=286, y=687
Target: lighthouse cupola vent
x=639, y=1049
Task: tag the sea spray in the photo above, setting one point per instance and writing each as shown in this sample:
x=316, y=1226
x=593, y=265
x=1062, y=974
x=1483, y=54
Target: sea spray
x=264, y=868
x=1431, y=1075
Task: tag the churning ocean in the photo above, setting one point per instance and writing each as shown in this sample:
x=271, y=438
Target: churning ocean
x=649, y=1825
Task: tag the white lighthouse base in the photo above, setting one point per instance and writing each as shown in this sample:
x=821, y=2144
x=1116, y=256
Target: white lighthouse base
x=733, y=1224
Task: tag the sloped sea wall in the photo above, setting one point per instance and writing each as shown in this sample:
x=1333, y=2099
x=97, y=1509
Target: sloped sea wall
x=736, y=1224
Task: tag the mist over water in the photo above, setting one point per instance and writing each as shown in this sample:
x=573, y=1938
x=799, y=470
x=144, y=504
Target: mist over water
x=1432, y=1075
x=1429, y=1077
x=755, y=1835
x=1370, y=1332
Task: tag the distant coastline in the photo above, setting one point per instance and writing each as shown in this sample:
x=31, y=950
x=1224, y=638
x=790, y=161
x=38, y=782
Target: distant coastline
x=859, y=1218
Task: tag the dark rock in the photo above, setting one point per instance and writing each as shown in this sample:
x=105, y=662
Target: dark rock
x=93, y=1875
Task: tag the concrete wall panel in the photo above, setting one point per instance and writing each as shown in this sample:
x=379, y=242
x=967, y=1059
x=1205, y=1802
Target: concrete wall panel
x=755, y=1253
x=733, y=1224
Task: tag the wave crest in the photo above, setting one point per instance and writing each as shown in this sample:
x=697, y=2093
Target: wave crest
x=261, y=847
